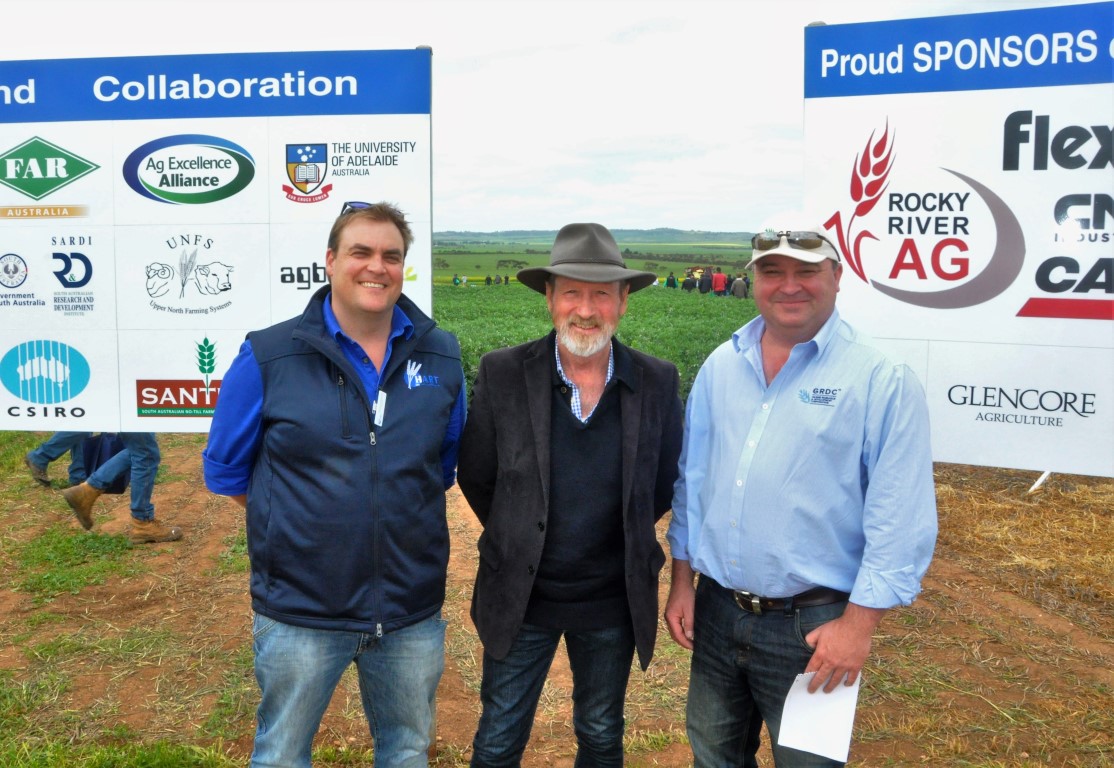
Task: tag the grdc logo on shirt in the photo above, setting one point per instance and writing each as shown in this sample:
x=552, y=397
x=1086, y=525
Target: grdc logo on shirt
x=819, y=396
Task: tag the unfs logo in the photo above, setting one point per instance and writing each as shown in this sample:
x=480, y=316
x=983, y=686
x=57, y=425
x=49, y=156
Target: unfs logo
x=182, y=397
x=189, y=169
x=36, y=168
x=44, y=371
x=306, y=167
x=926, y=235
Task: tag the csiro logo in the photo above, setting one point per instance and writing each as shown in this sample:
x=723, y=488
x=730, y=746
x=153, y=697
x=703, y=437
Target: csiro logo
x=44, y=371
x=36, y=168
x=189, y=169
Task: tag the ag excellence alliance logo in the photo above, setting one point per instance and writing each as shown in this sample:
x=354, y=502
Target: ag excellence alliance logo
x=189, y=169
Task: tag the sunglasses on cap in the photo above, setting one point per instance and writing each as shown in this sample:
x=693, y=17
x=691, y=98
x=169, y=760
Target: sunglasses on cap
x=353, y=205
x=805, y=241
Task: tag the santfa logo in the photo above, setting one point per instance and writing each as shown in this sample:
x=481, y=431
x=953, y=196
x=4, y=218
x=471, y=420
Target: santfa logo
x=182, y=397
x=44, y=371
x=189, y=169
x=36, y=168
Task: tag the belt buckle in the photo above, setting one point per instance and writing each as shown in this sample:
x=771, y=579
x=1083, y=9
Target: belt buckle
x=755, y=602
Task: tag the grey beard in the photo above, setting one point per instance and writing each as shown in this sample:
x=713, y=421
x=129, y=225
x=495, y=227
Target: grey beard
x=583, y=347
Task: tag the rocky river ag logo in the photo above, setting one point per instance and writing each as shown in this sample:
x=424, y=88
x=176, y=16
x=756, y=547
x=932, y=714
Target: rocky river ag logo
x=934, y=230
x=307, y=166
x=189, y=169
x=182, y=397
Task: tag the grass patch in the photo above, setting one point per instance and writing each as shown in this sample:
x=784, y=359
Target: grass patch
x=58, y=562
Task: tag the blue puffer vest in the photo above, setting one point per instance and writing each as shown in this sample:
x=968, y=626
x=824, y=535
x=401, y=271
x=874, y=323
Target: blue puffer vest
x=346, y=518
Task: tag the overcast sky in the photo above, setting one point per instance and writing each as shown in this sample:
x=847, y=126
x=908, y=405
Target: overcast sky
x=633, y=113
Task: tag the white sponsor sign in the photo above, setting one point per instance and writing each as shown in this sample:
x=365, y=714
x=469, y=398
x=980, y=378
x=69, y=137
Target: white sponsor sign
x=964, y=166
x=153, y=210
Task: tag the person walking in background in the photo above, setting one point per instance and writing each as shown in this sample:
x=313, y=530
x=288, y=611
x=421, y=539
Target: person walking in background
x=53, y=448
x=739, y=288
x=807, y=515
x=705, y=283
x=337, y=430
x=141, y=456
x=568, y=459
x=671, y=281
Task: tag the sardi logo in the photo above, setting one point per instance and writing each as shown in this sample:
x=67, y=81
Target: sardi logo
x=37, y=168
x=182, y=397
x=927, y=235
x=189, y=169
x=306, y=167
x=44, y=372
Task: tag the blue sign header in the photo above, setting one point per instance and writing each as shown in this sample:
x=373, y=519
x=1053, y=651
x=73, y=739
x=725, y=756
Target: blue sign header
x=1067, y=45
x=216, y=85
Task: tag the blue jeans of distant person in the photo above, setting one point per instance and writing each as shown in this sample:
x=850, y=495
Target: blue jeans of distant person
x=743, y=663
x=141, y=453
x=298, y=669
x=57, y=445
x=600, y=661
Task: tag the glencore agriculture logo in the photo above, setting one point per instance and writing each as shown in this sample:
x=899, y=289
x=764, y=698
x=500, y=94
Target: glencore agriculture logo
x=182, y=397
x=931, y=236
x=307, y=165
x=189, y=169
x=1024, y=406
x=44, y=372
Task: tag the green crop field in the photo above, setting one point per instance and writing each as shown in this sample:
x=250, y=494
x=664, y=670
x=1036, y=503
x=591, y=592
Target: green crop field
x=672, y=324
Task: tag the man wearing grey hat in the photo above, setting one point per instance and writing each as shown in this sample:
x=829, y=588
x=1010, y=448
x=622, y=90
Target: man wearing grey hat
x=807, y=514
x=568, y=458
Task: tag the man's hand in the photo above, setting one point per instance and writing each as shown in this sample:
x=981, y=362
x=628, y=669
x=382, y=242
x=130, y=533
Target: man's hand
x=841, y=647
x=680, y=608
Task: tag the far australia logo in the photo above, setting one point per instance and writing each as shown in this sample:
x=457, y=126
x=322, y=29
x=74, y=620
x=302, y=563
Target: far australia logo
x=819, y=396
x=182, y=397
x=936, y=246
x=189, y=169
x=415, y=378
x=194, y=280
x=307, y=165
x=36, y=168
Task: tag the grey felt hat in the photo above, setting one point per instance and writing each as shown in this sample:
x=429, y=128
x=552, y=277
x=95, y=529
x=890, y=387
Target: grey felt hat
x=585, y=252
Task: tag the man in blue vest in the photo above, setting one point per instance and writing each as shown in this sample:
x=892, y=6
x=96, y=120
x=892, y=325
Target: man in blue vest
x=337, y=430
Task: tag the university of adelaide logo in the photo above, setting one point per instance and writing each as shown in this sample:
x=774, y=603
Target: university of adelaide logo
x=189, y=169
x=306, y=168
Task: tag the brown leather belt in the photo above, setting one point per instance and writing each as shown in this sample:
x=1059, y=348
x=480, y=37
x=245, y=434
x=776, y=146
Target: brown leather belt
x=758, y=605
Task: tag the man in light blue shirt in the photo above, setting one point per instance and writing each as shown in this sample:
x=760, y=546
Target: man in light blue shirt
x=805, y=502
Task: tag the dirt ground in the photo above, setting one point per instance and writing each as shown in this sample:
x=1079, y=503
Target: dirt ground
x=985, y=664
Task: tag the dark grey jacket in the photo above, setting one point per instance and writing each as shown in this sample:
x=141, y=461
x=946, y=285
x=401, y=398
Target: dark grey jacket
x=504, y=470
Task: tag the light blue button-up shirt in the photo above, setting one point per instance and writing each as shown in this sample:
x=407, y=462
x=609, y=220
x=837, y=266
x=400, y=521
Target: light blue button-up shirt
x=821, y=479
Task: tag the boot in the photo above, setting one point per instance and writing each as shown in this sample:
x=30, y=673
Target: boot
x=152, y=531
x=38, y=474
x=81, y=499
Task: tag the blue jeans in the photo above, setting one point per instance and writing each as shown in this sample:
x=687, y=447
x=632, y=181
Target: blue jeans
x=600, y=662
x=53, y=449
x=298, y=669
x=141, y=453
x=743, y=664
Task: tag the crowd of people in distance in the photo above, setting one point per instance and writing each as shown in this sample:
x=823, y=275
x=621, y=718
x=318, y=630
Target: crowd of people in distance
x=711, y=281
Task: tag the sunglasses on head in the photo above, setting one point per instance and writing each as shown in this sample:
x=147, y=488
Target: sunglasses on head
x=805, y=241
x=353, y=205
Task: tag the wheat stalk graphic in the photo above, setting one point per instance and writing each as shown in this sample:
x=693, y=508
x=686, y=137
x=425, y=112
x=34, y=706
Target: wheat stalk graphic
x=206, y=359
x=185, y=269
